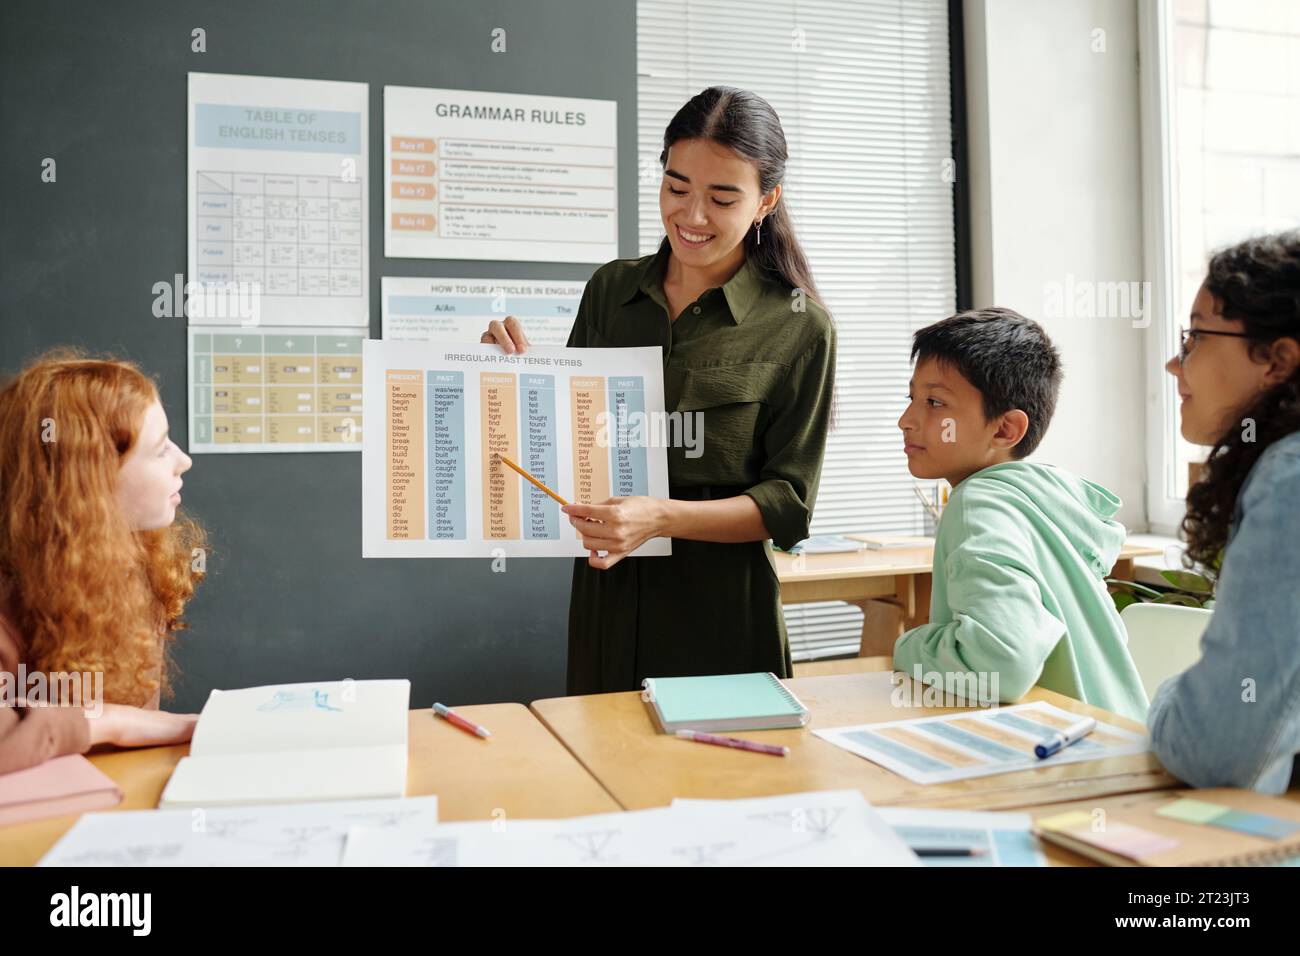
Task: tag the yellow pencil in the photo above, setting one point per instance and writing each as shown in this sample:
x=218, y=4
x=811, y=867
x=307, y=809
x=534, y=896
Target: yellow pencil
x=507, y=461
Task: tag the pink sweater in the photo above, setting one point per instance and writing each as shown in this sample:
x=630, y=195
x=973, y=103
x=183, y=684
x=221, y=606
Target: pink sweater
x=32, y=735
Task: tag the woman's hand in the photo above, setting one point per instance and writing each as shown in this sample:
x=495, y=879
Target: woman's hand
x=127, y=726
x=617, y=526
x=509, y=334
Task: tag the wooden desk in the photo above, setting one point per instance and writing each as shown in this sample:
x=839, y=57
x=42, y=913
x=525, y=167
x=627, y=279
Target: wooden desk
x=615, y=738
x=521, y=770
x=842, y=665
x=890, y=585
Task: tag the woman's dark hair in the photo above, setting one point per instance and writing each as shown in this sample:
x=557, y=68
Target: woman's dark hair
x=745, y=122
x=1256, y=282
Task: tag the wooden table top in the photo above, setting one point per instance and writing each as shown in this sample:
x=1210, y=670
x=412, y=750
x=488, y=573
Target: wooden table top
x=615, y=737
x=917, y=558
x=521, y=771
x=602, y=753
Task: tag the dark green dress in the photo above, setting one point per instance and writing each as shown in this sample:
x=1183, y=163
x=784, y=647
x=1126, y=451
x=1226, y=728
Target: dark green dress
x=759, y=363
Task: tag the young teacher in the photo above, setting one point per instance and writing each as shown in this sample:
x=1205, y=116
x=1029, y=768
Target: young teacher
x=749, y=349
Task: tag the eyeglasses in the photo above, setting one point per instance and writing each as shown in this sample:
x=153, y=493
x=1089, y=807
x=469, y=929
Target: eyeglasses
x=1193, y=334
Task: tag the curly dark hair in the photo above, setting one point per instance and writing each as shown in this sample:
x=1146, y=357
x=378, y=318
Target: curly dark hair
x=1256, y=282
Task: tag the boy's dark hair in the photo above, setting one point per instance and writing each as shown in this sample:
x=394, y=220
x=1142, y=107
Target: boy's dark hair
x=1007, y=357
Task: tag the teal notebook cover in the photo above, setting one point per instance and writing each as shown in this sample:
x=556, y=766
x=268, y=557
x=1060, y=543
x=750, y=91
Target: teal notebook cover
x=725, y=698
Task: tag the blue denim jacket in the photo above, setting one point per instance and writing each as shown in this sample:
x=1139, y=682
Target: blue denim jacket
x=1233, y=718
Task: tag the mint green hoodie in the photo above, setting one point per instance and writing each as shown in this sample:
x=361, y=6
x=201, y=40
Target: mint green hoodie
x=1019, y=559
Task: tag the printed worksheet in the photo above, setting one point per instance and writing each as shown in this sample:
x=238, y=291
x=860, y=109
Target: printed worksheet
x=978, y=743
x=278, y=198
x=588, y=424
x=834, y=828
x=459, y=310
x=480, y=175
x=814, y=828
x=304, y=834
x=998, y=839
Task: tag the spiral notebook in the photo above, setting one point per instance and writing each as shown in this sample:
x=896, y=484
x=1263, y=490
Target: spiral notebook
x=723, y=702
x=1217, y=827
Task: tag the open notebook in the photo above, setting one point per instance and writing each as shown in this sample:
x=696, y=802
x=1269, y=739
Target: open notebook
x=291, y=743
x=1216, y=827
x=68, y=784
x=723, y=702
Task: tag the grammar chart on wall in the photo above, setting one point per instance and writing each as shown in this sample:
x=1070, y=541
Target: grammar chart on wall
x=579, y=420
x=459, y=310
x=278, y=298
x=507, y=176
x=278, y=195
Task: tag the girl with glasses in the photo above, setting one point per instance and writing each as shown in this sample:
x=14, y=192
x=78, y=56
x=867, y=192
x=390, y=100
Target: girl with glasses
x=1233, y=718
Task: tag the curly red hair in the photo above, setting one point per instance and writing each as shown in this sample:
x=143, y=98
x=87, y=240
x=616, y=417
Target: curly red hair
x=85, y=590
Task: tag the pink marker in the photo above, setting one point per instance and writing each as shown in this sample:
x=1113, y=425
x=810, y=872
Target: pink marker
x=449, y=715
x=736, y=742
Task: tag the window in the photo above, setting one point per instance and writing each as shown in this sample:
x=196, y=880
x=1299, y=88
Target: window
x=1221, y=118
x=863, y=91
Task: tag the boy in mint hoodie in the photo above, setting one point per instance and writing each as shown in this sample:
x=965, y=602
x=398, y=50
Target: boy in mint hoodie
x=1022, y=548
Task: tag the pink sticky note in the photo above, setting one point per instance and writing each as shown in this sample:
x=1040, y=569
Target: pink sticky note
x=1127, y=841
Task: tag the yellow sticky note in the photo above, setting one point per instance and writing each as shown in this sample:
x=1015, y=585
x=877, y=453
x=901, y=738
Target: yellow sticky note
x=1066, y=821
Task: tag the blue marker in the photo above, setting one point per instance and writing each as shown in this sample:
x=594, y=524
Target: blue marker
x=1063, y=738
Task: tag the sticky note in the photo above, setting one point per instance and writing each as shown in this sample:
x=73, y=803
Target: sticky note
x=1066, y=821
x=1192, y=811
x=1256, y=824
x=1129, y=841
x=1239, y=821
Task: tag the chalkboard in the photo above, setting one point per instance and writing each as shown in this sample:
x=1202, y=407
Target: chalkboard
x=101, y=89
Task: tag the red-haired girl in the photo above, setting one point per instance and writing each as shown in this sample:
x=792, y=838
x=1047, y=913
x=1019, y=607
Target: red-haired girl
x=95, y=567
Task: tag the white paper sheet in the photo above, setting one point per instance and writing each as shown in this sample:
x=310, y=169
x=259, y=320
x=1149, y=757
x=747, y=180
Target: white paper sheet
x=287, y=835
x=978, y=743
x=459, y=310
x=1005, y=838
x=584, y=422
x=513, y=176
x=824, y=829
x=816, y=828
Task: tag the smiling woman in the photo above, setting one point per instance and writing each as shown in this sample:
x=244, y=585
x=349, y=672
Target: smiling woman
x=749, y=352
x=95, y=567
